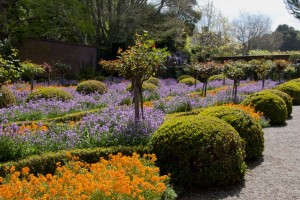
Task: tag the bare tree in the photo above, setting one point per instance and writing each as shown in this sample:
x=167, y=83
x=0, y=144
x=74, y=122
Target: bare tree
x=247, y=29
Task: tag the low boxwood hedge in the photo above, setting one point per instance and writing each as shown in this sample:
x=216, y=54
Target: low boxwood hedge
x=46, y=163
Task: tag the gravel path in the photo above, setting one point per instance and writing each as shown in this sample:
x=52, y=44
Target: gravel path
x=276, y=176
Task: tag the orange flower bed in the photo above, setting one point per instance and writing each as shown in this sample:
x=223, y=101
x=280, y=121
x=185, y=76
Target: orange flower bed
x=248, y=109
x=119, y=177
x=148, y=104
x=32, y=128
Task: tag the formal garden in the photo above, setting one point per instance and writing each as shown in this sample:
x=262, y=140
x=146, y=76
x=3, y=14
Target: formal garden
x=137, y=136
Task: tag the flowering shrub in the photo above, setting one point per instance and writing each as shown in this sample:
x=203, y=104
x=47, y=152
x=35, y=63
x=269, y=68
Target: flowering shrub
x=119, y=177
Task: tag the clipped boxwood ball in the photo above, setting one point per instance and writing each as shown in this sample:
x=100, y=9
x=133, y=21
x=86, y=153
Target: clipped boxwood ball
x=271, y=105
x=7, y=98
x=91, y=86
x=287, y=99
x=199, y=150
x=244, y=124
x=189, y=81
x=145, y=87
x=50, y=93
x=218, y=77
x=292, y=89
x=153, y=80
x=183, y=77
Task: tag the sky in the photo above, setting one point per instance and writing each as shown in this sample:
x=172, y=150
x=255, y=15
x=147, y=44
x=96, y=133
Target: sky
x=275, y=9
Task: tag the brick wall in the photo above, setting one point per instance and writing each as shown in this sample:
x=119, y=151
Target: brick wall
x=39, y=51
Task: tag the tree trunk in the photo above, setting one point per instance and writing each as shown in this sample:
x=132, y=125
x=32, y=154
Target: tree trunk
x=48, y=79
x=142, y=101
x=31, y=83
x=62, y=78
x=235, y=85
x=263, y=83
x=136, y=97
x=205, y=89
x=224, y=81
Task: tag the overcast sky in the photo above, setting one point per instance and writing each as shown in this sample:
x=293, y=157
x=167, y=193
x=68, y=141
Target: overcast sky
x=275, y=9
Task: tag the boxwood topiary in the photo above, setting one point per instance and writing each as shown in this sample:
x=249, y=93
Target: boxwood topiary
x=218, y=77
x=189, y=81
x=153, y=80
x=244, y=124
x=91, y=86
x=287, y=99
x=292, y=89
x=183, y=77
x=199, y=150
x=145, y=87
x=271, y=105
x=50, y=93
x=7, y=98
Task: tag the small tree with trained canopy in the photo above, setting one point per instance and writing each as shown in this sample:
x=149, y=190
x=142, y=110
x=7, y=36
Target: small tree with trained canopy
x=139, y=63
x=111, y=66
x=235, y=70
x=31, y=70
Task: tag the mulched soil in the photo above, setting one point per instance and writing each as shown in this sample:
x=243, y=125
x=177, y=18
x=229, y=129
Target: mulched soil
x=276, y=176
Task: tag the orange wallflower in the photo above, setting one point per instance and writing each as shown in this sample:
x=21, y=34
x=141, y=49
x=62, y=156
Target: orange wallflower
x=248, y=109
x=119, y=177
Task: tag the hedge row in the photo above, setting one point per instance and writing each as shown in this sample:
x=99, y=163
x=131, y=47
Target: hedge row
x=46, y=163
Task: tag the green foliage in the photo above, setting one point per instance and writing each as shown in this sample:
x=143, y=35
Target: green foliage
x=235, y=70
x=10, y=149
x=183, y=77
x=292, y=89
x=62, y=67
x=10, y=68
x=287, y=99
x=31, y=70
x=247, y=127
x=189, y=81
x=46, y=163
x=219, y=77
x=111, y=66
x=50, y=93
x=91, y=86
x=87, y=73
x=6, y=97
x=100, y=78
x=199, y=151
x=271, y=105
x=153, y=80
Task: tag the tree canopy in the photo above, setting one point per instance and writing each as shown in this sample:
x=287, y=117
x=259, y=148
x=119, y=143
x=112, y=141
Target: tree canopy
x=102, y=23
x=294, y=7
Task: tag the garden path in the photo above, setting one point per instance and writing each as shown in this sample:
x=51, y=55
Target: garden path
x=276, y=176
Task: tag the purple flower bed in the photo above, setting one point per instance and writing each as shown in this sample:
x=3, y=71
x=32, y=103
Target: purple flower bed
x=113, y=124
